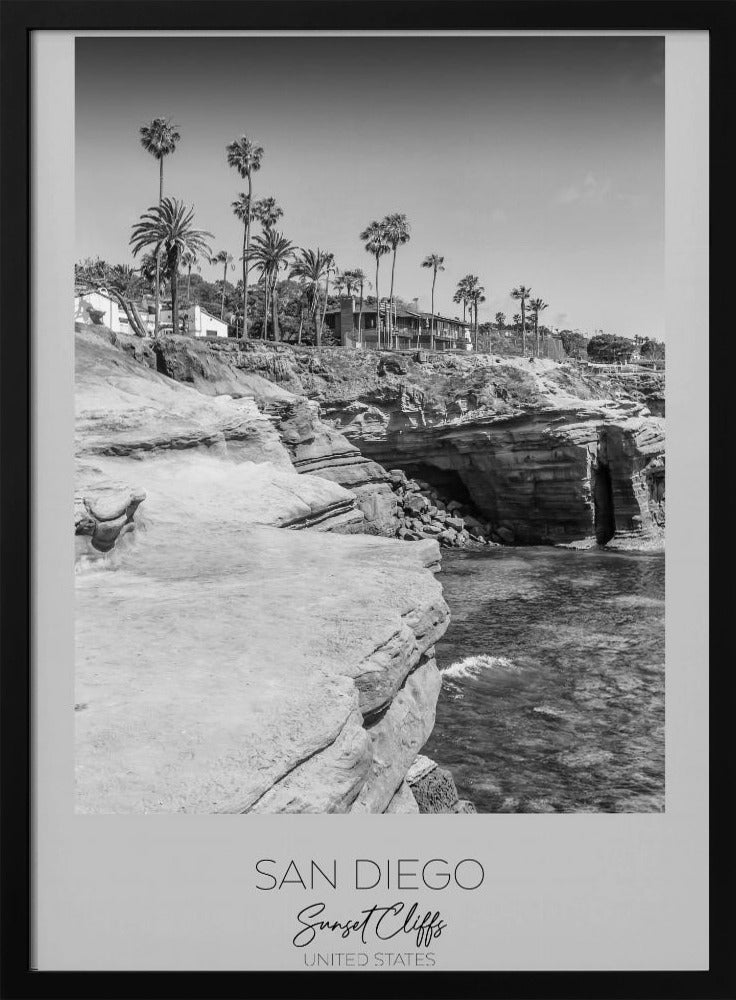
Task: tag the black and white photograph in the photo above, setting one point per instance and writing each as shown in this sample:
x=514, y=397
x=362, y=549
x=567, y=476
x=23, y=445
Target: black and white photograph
x=369, y=424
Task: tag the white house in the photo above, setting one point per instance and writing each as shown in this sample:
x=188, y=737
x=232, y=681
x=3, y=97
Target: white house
x=99, y=308
x=195, y=322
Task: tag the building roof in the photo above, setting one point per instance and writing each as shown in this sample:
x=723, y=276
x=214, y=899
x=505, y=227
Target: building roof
x=403, y=312
x=218, y=319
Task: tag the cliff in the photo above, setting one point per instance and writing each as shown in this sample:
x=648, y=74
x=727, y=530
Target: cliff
x=534, y=451
x=225, y=664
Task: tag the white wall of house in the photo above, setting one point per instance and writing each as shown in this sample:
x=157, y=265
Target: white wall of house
x=197, y=322
x=113, y=317
x=96, y=302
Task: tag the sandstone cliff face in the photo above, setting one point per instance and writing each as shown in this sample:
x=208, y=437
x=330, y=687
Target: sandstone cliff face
x=224, y=664
x=268, y=378
x=544, y=452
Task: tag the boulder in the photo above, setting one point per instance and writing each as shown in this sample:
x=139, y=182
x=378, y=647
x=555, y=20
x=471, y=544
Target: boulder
x=416, y=504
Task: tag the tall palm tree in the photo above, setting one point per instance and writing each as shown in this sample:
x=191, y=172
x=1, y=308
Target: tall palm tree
x=537, y=305
x=270, y=253
x=224, y=258
x=459, y=297
x=267, y=212
x=329, y=269
x=350, y=282
x=463, y=293
x=521, y=294
x=190, y=260
x=376, y=243
x=245, y=156
x=437, y=263
x=159, y=138
x=398, y=232
x=478, y=297
x=474, y=291
x=309, y=269
x=360, y=283
x=168, y=229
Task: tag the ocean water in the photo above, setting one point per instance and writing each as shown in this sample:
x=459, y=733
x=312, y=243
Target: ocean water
x=553, y=680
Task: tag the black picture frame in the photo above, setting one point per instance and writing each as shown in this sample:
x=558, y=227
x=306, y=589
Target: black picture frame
x=19, y=19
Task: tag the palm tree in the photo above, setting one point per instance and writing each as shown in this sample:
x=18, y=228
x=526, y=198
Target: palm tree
x=478, y=297
x=360, y=282
x=267, y=212
x=309, y=269
x=463, y=293
x=224, y=258
x=159, y=138
x=341, y=282
x=522, y=293
x=245, y=156
x=474, y=291
x=190, y=260
x=459, y=297
x=500, y=319
x=437, y=263
x=537, y=305
x=397, y=230
x=269, y=254
x=376, y=244
x=329, y=268
x=168, y=229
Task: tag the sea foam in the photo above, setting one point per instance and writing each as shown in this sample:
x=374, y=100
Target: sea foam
x=472, y=666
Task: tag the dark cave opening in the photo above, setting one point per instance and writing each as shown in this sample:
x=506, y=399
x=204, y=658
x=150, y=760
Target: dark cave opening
x=605, y=519
x=447, y=482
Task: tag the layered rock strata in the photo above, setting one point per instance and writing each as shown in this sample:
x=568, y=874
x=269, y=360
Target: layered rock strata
x=245, y=371
x=224, y=664
x=533, y=450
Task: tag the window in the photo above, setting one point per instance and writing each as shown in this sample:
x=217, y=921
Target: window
x=211, y=333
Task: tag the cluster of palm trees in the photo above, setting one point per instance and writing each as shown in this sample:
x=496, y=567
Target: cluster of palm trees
x=469, y=293
x=522, y=294
x=167, y=232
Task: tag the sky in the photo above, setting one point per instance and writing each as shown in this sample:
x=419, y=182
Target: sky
x=536, y=161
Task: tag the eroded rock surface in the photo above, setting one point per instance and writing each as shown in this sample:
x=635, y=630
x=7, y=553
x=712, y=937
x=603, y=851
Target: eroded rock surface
x=224, y=664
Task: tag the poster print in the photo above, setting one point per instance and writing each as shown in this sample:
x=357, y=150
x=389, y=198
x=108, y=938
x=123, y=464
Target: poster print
x=369, y=589
x=370, y=425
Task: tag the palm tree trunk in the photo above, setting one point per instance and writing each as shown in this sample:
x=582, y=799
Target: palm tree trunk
x=391, y=303
x=360, y=316
x=265, y=309
x=431, y=336
x=174, y=297
x=523, y=329
x=130, y=311
x=222, y=303
x=301, y=324
x=156, y=318
x=536, y=333
x=189, y=282
x=378, y=310
x=275, y=312
x=246, y=248
x=324, y=311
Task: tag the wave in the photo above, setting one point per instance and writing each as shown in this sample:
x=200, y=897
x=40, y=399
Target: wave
x=472, y=666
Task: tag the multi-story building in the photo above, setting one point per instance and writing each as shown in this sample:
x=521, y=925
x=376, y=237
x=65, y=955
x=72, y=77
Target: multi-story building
x=410, y=328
